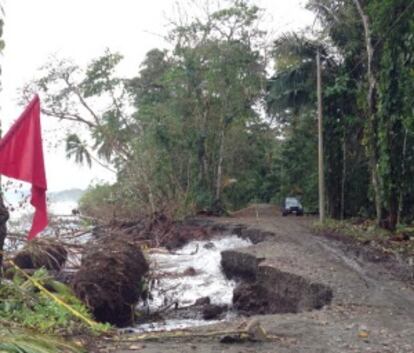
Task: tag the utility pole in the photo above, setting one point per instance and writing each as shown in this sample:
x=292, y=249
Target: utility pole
x=320, y=142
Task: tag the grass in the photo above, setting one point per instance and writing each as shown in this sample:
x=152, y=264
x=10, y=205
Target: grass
x=359, y=230
x=366, y=232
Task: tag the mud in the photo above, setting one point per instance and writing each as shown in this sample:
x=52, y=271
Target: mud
x=277, y=292
x=373, y=253
x=240, y=265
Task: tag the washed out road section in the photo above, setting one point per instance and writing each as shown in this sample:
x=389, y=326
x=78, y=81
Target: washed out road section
x=371, y=309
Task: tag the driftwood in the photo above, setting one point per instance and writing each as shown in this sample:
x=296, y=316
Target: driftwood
x=253, y=332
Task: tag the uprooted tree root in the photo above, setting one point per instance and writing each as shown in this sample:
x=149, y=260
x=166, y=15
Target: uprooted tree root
x=49, y=254
x=109, y=278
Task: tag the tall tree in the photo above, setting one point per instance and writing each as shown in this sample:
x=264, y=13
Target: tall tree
x=375, y=50
x=393, y=26
x=206, y=91
x=192, y=108
x=371, y=112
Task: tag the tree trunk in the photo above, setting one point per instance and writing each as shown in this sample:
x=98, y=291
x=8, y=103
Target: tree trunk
x=202, y=152
x=219, y=166
x=343, y=178
x=401, y=193
x=372, y=126
x=4, y=216
x=377, y=189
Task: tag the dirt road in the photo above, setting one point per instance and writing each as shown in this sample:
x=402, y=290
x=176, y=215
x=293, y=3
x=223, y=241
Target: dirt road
x=371, y=309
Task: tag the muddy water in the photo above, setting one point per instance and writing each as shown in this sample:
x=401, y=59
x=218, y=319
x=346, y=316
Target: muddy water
x=191, y=273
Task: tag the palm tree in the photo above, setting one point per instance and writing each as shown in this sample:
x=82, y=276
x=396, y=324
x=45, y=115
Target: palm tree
x=77, y=149
x=292, y=87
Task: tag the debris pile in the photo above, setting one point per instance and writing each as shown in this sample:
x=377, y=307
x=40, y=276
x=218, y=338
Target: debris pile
x=158, y=230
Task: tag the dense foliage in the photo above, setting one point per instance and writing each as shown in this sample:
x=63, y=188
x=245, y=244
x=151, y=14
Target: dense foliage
x=367, y=74
x=204, y=125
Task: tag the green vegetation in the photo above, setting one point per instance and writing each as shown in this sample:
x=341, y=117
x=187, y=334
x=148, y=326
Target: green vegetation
x=31, y=320
x=204, y=124
x=354, y=228
x=366, y=232
x=99, y=202
x=367, y=104
x=23, y=305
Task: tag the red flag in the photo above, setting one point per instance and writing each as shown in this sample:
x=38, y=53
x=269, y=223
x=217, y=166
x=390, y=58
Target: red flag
x=21, y=157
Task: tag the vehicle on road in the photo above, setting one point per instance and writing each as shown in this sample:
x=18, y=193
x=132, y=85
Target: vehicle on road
x=292, y=206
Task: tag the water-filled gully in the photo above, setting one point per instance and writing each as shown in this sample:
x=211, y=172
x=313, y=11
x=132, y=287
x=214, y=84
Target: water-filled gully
x=213, y=280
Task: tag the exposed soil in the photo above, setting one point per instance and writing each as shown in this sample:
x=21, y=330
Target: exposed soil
x=277, y=292
x=365, y=303
x=374, y=252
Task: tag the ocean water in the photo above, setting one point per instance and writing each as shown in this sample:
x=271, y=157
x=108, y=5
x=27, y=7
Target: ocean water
x=61, y=220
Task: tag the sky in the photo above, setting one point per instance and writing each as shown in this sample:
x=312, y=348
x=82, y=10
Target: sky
x=81, y=30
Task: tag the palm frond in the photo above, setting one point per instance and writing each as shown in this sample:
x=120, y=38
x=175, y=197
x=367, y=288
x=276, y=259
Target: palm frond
x=25, y=342
x=77, y=149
